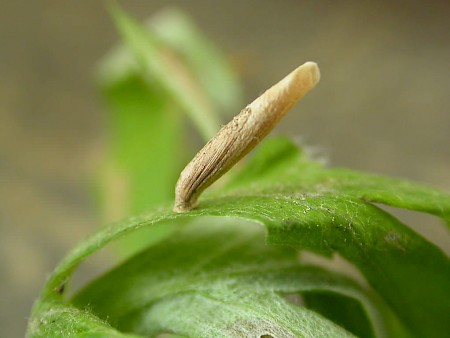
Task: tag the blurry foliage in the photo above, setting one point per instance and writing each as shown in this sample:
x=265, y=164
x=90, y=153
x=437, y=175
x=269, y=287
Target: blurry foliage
x=167, y=71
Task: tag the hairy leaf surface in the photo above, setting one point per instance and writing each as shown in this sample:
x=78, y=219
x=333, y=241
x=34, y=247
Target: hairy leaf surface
x=218, y=269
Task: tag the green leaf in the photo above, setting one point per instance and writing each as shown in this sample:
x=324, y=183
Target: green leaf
x=145, y=145
x=235, y=287
x=145, y=127
x=404, y=268
x=283, y=168
x=342, y=310
x=143, y=159
x=221, y=276
x=410, y=274
x=63, y=320
x=239, y=275
x=158, y=63
x=210, y=68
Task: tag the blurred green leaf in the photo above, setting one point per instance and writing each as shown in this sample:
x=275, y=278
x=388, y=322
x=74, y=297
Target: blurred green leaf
x=202, y=57
x=145, y=144
x=144, y=154
x=147, y=85
x=160, y=64
x=142, y=83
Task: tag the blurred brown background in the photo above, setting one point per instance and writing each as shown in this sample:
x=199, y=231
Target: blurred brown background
x=383, y=105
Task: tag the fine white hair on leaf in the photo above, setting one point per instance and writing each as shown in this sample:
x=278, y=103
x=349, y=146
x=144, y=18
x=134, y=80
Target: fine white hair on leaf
x=242, y=134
